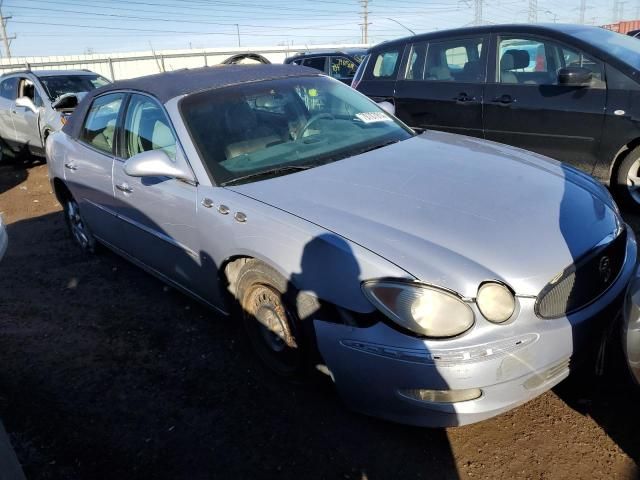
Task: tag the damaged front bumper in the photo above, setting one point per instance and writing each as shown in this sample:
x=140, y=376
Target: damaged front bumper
x=385, y=373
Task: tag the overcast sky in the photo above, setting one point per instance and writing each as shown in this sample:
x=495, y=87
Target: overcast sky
x=59, y=27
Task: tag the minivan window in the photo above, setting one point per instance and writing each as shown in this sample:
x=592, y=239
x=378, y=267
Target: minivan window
x=9, y=88
x=146, y=127
x=386, y=63
x=535, y=61
x=342, y=68
x=457, y=60
x=100, y=123
x=315, y=62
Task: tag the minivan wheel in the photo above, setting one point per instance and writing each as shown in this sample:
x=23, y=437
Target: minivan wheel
x=269, y=323
x=628, y=180
x=78, y=228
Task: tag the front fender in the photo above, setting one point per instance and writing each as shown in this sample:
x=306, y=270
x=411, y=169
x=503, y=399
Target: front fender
x=313, y=259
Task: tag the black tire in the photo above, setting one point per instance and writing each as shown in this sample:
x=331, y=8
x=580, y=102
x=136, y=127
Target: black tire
x=272, y=326
x=627, y=196
x=78, y=228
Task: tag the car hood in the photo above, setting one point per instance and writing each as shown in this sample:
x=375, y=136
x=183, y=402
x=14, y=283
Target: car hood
x=453, y=211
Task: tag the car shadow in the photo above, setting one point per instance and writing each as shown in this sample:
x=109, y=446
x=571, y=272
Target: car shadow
x=14, y=167
x=108, y=373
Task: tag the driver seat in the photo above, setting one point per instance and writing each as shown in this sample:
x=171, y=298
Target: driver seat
x=245, y=133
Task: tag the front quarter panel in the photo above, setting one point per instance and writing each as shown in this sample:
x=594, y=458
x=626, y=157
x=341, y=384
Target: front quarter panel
x=313, y=259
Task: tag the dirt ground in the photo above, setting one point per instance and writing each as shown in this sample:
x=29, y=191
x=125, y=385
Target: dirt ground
x=107, y=373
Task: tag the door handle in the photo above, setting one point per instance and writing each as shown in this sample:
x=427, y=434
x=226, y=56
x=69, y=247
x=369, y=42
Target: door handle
x=464, y=98
x=504, y=99
x=124, y=187
x=70, y=166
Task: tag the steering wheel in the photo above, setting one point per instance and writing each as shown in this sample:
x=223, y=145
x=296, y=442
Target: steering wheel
x=312, y=120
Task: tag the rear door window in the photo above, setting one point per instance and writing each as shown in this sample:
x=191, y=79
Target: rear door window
x=456, y=60
x=343, y=68
x=99, y=129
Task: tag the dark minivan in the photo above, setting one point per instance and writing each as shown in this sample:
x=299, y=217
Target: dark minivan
x=341, y=65
x=571, y=92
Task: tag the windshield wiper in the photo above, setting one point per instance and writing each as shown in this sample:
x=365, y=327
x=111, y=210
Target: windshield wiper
x=265, y=173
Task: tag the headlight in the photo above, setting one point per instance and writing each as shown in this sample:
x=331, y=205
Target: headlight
x=424, y=310
x=496, y=302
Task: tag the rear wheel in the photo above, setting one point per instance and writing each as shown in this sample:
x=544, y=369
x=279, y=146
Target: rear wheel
x=78, y=228
x=628, y=180
x=269, y=322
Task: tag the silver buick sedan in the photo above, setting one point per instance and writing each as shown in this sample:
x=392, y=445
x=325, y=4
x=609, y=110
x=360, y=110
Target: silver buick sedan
x=436, y=279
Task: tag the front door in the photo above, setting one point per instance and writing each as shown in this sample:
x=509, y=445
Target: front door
x=156, y=215
x=526, y=106
x=443, y=85
x=27, y=122
x=88, y=165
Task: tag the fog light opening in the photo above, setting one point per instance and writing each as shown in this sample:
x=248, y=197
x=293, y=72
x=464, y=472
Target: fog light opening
x=441, y=396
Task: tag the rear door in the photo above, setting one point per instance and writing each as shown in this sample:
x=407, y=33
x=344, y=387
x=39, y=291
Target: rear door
x=88, y=165
x=156, y=215
x=443, y=84
x=526, y=106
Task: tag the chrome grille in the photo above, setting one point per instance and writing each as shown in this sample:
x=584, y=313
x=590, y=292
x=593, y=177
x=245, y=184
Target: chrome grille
x=584, y=281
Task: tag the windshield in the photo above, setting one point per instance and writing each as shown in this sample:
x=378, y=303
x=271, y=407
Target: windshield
x=248, y=132
x=624, y=47
x=60, y=84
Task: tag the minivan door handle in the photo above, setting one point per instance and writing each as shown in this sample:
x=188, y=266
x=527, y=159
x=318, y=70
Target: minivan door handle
x=464, y=98
x=70, y=166
x=504, y=99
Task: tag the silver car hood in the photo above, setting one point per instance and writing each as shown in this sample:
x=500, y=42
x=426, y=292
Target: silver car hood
x=453, y=211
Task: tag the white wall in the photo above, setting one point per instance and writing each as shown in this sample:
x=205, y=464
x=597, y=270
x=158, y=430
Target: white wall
x=135, y=64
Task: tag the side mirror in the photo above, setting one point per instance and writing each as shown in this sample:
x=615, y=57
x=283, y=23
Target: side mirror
x=155, y=163
x=26, y=102
x=574, y=76
x=388, y=107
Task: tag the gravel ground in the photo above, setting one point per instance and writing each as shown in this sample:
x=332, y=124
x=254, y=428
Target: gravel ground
x=107, y=373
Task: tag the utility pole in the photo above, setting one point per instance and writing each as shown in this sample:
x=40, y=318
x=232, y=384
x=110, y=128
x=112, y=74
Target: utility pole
x=478, y=20
x=533, y=11
x=583, y=10
x=616, y=8
x=238, y=31
x=3, y=30
x=365, y=21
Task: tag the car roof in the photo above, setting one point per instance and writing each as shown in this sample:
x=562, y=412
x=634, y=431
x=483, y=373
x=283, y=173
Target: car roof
x=565, y=28
x=167, y=85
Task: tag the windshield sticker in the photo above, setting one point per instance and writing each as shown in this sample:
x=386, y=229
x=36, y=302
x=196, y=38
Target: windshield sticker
x=372, y=117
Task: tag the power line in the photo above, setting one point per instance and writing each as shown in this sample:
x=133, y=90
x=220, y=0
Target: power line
x=3, y=30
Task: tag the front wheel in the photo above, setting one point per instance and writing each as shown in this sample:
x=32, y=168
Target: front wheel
x=77, y=226
x=628, y=180
x=270, y=324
